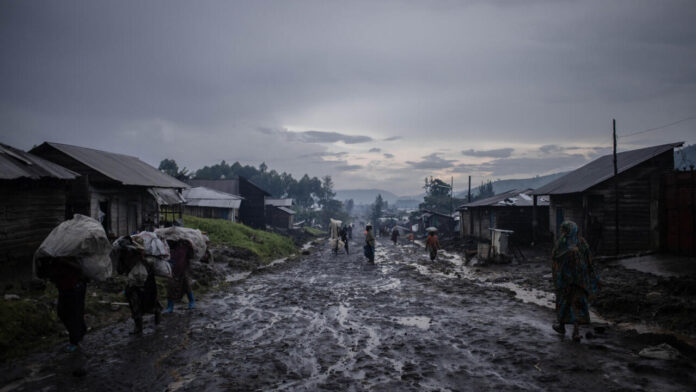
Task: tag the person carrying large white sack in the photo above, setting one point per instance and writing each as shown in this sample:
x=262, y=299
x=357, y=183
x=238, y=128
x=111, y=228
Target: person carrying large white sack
x=73, y=253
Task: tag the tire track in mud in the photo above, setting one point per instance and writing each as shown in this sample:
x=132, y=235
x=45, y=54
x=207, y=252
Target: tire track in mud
x=335, y=322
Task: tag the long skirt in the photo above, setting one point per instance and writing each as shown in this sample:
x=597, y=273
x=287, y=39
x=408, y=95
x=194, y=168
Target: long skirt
x=71, y=311
x=572, y=306
x=143, y=299
x=177, y=286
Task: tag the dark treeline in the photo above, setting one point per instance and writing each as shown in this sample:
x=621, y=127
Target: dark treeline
x=306, y=192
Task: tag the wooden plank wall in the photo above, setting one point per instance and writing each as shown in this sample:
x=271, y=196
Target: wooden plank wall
x=28, y=213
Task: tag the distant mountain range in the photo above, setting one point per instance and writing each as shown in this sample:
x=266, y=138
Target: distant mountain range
x=500, y=186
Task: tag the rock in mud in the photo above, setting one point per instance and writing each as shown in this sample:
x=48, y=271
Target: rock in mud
x=662, y=351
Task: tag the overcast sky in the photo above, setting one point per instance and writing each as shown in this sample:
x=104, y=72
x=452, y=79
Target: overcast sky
x=378, y=94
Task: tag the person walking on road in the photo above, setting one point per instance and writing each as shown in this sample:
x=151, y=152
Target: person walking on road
x=72, y=287
x=370, y=244
x=344, y=237
x=395, y=235
x=432, y=245
x=179, y=284
x=574, y=278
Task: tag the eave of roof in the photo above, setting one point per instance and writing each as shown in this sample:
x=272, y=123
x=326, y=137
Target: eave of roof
x=15, y=164
x=601, y=169
x=125, y=169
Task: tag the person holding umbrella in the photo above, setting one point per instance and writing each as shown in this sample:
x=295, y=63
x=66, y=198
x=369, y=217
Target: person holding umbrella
x=432, y=244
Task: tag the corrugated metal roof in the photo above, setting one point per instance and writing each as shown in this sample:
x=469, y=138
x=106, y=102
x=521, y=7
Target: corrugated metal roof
x=206, y=197
x=513, y=198
x=166, y=196
x=230, y=186
x=126, y=169
x=279, y=202
x=601, y=169
x=16, y=164
x=286, y=210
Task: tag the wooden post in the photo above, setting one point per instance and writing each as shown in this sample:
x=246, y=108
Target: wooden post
x=468, y=200
x=616, y=194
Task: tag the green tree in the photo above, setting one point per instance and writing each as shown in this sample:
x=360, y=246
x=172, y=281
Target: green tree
x=169, y=166
x=438, y=196
x=349, y=204
x=485, y=190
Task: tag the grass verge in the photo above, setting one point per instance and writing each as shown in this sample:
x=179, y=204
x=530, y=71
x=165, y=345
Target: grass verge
x=266, y=246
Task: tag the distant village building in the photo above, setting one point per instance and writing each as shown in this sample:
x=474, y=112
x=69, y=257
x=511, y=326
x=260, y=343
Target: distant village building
x=33, y=193
x=124, y=193
x=587, y=196
x=279, y=213
x=252, y=211
x=210, y=203
x=511, y=210
x=444, y=223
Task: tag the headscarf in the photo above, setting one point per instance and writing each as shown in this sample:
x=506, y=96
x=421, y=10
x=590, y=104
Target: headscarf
x=569, y=233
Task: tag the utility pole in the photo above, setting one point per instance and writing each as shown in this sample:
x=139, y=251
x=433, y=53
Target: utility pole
x=451, y=195
x=468, y=199
x=616, y=193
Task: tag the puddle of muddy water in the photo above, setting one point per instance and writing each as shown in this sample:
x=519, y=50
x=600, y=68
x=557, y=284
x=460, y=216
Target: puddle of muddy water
x=421, y=322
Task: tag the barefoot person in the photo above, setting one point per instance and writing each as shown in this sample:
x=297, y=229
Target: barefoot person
x=574, y=279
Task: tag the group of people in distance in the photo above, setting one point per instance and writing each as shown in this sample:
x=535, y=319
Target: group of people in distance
x=432, y=244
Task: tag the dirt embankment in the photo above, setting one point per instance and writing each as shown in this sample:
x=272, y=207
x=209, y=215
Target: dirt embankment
x=625, y=296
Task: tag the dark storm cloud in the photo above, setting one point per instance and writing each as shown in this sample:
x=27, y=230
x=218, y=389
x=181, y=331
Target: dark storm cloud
x=497, y=153
x=315, y=136
x=375, y=149
x=195, y=80
x=388, y=156
x=554, y=149
x=432, y=162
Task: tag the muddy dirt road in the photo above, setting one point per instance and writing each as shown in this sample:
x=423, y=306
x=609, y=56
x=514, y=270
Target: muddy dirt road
x=334, y=322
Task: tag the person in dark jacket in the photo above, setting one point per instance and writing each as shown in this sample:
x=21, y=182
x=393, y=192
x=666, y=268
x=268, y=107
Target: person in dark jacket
x=72, y=287
x=179, y=284
x=395, y=235
x=344, y=237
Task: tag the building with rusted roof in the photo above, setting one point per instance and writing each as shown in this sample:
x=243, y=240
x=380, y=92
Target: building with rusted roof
x=124, y=193
x=630, y=204
x=32, y=202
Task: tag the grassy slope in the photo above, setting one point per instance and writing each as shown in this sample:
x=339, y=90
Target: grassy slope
x=267, y=246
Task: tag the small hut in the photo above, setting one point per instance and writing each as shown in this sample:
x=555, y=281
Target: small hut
x=122, y=192
x=279, y=213
x=210, y=203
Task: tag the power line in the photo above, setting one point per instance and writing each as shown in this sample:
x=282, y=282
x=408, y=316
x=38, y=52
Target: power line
x=658, y=128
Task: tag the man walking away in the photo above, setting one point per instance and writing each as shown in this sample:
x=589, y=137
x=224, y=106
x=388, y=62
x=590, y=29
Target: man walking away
x=71, y=298
x=432, y=245
x=344, y=237
x=395, y=235
x=179, y=284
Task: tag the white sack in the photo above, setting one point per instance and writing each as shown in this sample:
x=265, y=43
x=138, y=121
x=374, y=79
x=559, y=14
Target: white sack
x=83, y=238
x=154, y=246
x=196, y=238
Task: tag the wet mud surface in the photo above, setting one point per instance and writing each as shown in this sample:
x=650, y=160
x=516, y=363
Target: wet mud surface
x=335, y=322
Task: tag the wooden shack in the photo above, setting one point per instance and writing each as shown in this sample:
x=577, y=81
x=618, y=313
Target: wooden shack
x=511, y=210
x=33, y=194
x=443, y=222
x=210, y=203
x=252, y=211
x=279, y=213
x=590, y=196
x=124, y=193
